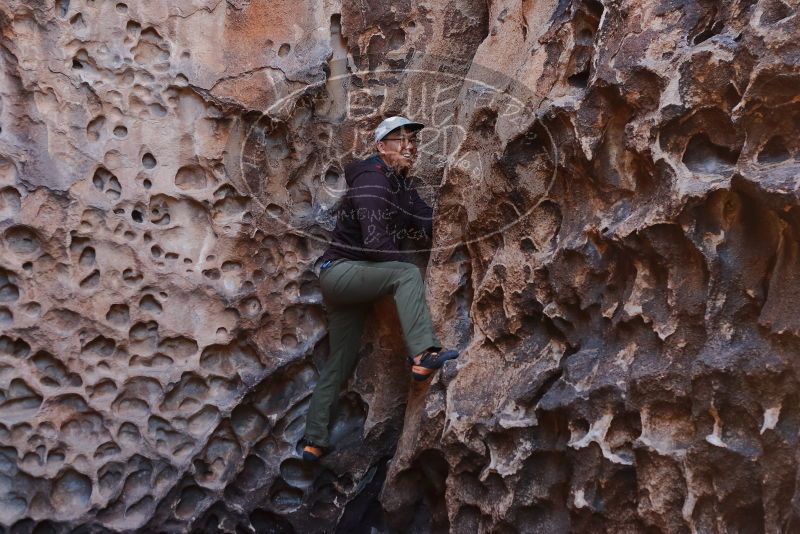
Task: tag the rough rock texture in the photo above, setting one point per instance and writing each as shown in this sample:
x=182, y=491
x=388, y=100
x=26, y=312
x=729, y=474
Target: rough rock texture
x=617, y=252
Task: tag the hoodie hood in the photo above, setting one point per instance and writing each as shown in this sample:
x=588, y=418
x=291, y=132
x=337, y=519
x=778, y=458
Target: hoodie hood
x=372, y=164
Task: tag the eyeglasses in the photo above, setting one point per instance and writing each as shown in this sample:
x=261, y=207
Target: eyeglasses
x=403, y=140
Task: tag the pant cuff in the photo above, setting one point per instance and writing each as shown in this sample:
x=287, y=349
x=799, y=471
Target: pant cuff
x=315, y=441
x=419, y=346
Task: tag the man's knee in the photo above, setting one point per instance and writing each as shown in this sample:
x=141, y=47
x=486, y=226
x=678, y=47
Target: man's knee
x=401, y=265
x=411, y=273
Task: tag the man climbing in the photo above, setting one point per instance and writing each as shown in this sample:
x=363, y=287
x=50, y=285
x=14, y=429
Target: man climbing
x=363, y=263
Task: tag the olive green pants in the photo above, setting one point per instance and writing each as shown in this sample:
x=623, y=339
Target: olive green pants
x=348, y=289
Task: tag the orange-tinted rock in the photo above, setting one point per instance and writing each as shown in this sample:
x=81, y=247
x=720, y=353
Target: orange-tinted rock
x=615, y=254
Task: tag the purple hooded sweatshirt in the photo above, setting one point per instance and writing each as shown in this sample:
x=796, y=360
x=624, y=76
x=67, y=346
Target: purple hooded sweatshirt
x=379, y=209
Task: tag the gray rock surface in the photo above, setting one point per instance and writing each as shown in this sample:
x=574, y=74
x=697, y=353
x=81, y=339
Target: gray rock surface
x=615, y=252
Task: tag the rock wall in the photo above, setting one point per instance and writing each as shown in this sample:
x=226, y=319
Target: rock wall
x=616, y=254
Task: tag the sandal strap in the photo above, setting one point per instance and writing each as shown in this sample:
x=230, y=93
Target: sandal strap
x=429, y=354
x=313, y=449
x=422, y=370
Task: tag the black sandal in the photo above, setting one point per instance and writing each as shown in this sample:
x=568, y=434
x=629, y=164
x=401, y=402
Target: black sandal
x=431, y=361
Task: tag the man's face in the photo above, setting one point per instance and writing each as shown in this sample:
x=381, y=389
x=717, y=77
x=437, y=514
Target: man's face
x=399, y=149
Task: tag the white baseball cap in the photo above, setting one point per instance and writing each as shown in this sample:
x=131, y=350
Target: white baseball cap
x=392, y=123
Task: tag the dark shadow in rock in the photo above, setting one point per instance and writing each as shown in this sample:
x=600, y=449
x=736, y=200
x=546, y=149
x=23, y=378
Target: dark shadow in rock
x=252, y=475
x=17, y=348
x=347, y=421
x=22, y=240
x=774, y=151
x=191, y=500
x=268, y=522
x=284, y=497
x=9, y=292
x=364, y=514
x=702, y=155
x=45, y=527
x=297, y=473
x=426, y=510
